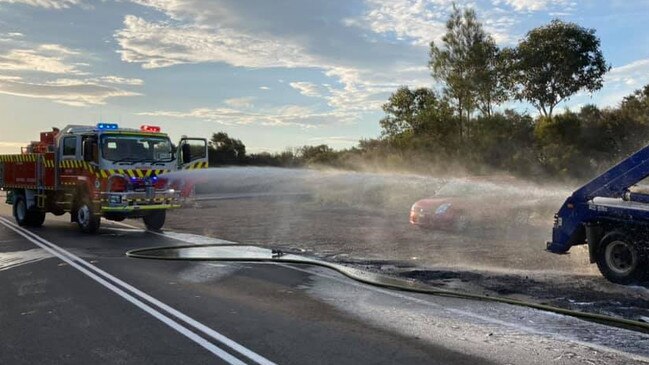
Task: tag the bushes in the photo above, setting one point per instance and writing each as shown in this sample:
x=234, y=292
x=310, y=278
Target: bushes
x=571, y=145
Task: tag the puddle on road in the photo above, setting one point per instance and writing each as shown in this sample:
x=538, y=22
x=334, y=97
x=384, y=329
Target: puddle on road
x=394, y=280
x=236, y=252
x=9, y=260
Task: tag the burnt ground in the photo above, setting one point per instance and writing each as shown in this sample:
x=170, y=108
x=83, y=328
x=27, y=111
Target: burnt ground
x=502, y=257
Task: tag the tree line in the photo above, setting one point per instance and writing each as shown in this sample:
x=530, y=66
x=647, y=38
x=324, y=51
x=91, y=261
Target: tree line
x=462, y=123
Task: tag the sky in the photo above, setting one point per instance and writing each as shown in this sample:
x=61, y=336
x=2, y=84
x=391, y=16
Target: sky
x=275, y=74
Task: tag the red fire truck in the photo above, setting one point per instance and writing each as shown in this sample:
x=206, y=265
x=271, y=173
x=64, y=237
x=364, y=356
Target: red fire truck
x=99, y=171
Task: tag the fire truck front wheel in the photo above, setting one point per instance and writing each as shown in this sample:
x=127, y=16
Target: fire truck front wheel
x=155, y=219
x=86, y=218
x=25, y=216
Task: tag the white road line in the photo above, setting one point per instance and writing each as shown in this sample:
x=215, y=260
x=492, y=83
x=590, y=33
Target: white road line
x=78, y=263
x=164, y=319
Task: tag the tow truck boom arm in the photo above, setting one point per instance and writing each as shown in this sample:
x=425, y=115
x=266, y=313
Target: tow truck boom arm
x=614, y=183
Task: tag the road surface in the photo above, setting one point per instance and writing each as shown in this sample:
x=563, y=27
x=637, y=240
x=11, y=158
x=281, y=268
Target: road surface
x=67, y=297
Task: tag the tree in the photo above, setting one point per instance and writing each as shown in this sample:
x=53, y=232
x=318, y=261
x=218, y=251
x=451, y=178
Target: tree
x=503, y=140
x=468, y=65
x=321, y=154
x=492, y=81
x=227, y=150
x=555, y=61
x=402, y=110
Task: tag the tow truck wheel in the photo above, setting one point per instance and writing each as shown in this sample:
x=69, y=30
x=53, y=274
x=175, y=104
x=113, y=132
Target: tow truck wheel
x=20, y=210
x=620, y=259
x=87, y=220
x=155, y=219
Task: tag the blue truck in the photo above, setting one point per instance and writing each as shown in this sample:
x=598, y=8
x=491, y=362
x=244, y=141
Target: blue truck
x=611, y=216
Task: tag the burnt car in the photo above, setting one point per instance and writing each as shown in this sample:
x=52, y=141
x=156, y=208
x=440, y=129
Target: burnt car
x=485, y=203
x=440, y=213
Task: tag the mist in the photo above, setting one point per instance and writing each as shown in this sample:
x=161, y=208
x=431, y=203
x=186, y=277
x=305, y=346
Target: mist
x=342, y=215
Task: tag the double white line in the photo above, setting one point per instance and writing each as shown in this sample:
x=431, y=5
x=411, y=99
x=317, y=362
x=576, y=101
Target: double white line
x=166, y=314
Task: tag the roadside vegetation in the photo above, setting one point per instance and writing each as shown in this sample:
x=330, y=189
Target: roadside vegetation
x=463, y=125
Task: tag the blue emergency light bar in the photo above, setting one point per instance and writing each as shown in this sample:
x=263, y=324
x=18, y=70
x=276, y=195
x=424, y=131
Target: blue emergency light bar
x=107, y=126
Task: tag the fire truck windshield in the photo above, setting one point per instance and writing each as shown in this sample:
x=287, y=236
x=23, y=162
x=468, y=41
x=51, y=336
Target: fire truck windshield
x=136, y=148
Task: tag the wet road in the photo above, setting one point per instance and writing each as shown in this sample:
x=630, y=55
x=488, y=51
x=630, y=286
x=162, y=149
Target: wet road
x=66, y=297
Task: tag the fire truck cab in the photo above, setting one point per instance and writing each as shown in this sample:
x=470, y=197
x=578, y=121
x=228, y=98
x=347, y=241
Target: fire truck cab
x=99, y=171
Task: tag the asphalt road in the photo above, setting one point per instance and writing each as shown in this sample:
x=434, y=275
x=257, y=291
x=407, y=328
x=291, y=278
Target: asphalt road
x=66, y=297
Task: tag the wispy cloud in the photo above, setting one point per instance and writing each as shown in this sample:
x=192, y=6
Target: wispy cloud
x=285, y=116
x=535, y=5
x=157, y=45
x=419, y=21
x=309, y=88
x=50, y=4
x=242, y=103
x=68, y=92
x=48, y=58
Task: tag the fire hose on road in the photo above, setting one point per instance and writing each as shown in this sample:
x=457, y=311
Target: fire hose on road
x=252, y=254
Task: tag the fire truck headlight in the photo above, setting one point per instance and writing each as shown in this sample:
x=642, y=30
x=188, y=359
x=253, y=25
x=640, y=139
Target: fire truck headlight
x=115, y=200
x=97, y=184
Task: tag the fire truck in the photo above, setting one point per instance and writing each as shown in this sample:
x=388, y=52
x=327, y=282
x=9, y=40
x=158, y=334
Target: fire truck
x=99, y=171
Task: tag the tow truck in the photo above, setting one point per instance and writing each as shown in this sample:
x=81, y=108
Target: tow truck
x=94, y=171
x=611, y=215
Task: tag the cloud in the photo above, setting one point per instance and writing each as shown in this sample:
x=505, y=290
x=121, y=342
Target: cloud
x=219, y=32
x=243, y=103
x=620, y=82
x=97, y=80
x=633, y=74
x=309, y=89
x=58, y=73
x=288, y=115
x=68, y=92
x=534, y=5
x=48, y=58
x=161, y=45
x=420, y=21
x=49, y=4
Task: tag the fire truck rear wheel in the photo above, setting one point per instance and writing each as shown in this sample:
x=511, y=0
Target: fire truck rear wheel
x=20, y=210
x=86, y=218
x=36, y=218
x=25, y=216
x=155, y=219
